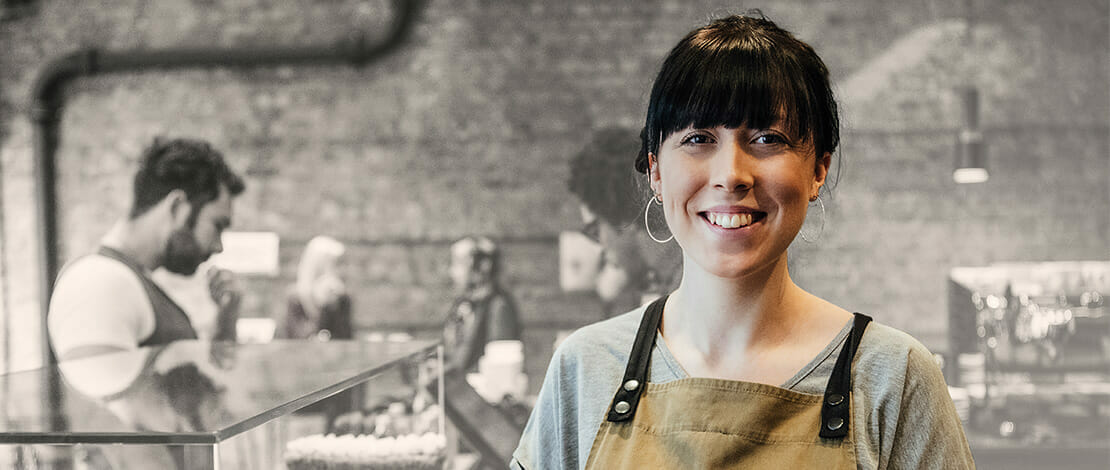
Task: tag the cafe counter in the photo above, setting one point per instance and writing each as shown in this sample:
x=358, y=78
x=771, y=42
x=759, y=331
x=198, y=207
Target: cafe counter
x=202, y=405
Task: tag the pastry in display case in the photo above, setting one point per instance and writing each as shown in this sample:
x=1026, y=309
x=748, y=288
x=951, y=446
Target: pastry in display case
x=197, y=405
x=367, y=452
x=401, y=429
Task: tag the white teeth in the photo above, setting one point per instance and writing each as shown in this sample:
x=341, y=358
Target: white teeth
x=729, y=220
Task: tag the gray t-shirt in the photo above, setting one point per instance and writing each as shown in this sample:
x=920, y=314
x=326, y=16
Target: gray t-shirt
x=902, y=415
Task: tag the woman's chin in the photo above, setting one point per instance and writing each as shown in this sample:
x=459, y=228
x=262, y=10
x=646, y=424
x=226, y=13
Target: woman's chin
x=733, y=266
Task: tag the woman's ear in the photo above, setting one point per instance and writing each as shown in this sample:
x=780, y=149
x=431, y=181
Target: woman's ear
x=820, y=173
x=653, y=174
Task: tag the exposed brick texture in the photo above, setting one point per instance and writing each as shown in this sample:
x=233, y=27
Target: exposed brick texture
x=468, y=128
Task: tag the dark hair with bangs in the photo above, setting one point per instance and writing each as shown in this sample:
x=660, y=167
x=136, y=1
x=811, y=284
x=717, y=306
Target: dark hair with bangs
x=741, y=71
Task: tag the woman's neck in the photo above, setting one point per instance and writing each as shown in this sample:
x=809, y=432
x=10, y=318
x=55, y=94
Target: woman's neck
x=722, y=319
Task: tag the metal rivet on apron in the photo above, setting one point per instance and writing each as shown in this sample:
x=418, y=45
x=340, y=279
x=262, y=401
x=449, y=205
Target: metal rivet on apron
x=631, y=385
x=835, y=424
x=835, y=399
x=622, y=407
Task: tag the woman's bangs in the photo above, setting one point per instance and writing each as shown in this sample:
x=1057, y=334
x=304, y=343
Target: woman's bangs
x=734, y=88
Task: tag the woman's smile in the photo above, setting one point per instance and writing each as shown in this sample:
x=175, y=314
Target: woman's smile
x=732, y=221
x=728, y=234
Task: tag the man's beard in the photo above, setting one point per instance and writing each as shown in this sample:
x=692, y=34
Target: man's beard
x=183, y=254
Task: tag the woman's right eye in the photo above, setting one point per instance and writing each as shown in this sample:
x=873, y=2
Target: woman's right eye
x=697, y=139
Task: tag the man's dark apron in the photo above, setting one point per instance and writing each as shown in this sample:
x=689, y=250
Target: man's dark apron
x=170, y=321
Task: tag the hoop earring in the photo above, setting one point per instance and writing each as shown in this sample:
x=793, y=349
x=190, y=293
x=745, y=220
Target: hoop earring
x=821, y=230
x=647, y=226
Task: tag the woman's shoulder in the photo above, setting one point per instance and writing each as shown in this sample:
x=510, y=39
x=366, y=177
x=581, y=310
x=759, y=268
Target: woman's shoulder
x=609, y=338
x=909, y=420
x=584, y=372
x=885, y=344
x=895, y=364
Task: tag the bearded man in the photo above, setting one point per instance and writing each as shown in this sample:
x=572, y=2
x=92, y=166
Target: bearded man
x=106, y=302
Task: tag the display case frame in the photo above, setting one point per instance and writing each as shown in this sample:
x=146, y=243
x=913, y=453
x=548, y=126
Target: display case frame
x=188, y=401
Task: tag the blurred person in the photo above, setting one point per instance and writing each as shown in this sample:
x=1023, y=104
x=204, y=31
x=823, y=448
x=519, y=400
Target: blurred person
x=182, y=203
x=483, y=311
x=319, y=305
x=624, y=277
x=739, y=367
x=633, y=269
x=319, y=308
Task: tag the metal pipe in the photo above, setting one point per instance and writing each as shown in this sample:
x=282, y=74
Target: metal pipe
x=47, y=102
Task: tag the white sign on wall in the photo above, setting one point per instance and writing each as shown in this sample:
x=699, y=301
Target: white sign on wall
x=253, y=253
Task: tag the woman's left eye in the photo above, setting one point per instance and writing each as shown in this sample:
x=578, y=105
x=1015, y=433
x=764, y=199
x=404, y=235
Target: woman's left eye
x=770, y=139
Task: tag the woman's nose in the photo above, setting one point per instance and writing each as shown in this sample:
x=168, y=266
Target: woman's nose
x=732, y=169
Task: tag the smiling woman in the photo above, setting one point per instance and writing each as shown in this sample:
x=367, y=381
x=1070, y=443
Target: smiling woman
x=736, y=191
x=739, y=367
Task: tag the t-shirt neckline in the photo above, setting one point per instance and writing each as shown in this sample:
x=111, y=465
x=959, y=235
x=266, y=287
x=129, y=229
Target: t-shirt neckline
x=678, y=372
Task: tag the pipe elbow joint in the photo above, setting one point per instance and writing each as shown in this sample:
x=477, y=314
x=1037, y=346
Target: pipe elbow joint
x=53, y=77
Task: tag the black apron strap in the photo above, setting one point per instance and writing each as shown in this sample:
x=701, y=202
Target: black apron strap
x=836, y=409
x=624, y=402
x=171, y=323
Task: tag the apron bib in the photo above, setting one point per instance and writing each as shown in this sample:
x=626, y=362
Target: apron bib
x=716, y=423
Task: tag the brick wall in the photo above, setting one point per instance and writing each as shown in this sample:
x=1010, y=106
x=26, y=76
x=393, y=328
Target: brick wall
x=468, y=128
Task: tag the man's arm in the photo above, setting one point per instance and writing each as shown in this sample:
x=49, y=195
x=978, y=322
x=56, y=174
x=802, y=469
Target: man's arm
x=98, y=306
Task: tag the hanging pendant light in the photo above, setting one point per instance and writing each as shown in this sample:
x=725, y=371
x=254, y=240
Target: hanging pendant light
x=971, y=150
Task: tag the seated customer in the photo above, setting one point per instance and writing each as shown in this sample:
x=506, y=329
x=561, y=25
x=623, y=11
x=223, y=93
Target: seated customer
x=319, y=308
x=483, y=311
x=319, y=305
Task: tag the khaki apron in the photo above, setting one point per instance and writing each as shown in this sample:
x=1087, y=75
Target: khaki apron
x=714, y=423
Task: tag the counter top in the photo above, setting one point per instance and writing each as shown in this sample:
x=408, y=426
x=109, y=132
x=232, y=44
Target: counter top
x=188, y=392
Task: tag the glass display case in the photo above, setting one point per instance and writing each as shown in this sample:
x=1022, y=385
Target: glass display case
x=201, y=405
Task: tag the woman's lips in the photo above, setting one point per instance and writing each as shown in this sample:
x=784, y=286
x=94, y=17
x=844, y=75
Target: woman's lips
x=732, y=220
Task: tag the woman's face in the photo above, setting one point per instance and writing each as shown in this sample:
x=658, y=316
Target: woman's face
x=735, y=198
